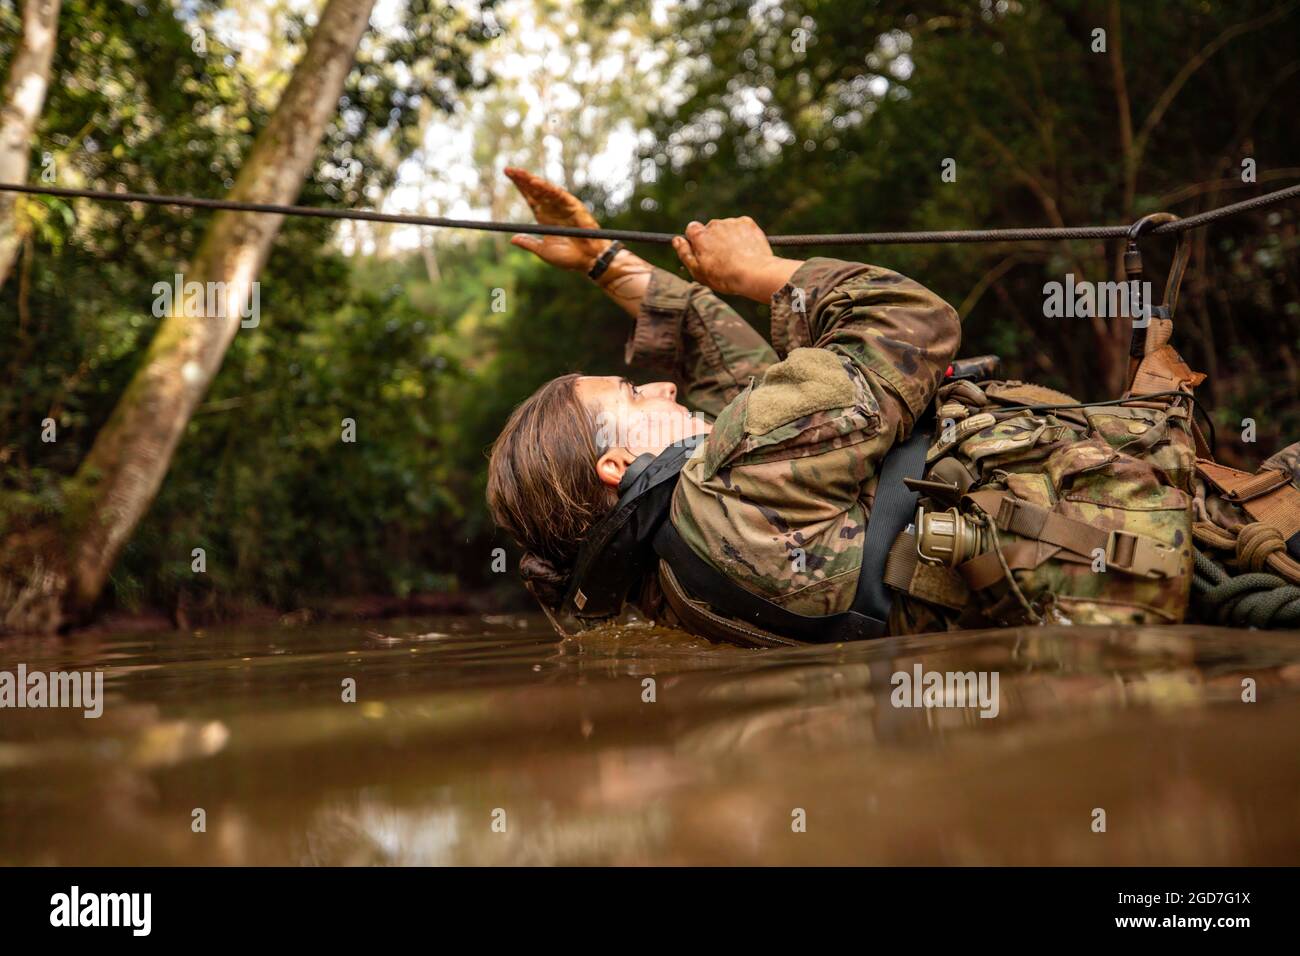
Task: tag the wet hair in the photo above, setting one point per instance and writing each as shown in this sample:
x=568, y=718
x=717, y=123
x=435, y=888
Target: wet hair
x=542, y=484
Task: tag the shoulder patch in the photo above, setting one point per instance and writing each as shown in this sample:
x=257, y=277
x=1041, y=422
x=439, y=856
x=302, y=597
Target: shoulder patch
x=809, y=380
x=728, y=432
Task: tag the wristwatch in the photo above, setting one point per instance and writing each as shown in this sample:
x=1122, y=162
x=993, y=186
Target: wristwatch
x=604, y=259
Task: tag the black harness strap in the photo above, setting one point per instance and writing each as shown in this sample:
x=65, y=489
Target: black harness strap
x=891, y=512
x=704, y=582
x=893, y=508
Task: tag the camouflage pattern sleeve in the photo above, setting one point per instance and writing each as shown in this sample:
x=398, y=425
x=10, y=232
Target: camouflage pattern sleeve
x=895, y=330
x=777, y=498
x=685, y=331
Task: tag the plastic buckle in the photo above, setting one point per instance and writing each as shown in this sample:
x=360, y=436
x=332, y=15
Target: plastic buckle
x=1141, y=556
x=1006, y=512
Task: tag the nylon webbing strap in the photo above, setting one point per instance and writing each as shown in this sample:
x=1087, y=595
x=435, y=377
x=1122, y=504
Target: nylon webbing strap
x=703, y=582
x=901, y=564
x=1268, y=496
x=905, y=571
x=1134, y=554
x=891, y=512
x=985, y=570
x=1039, y=524
x=1259, y=484
x=699, y=620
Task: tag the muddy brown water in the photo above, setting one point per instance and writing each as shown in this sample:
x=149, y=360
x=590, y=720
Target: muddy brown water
x=489, y=741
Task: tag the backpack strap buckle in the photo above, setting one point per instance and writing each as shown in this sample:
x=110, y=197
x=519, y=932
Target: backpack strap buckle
x=1141, y=556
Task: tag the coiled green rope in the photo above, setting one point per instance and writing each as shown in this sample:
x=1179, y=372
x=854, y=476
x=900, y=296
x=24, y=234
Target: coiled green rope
x=1255, y=599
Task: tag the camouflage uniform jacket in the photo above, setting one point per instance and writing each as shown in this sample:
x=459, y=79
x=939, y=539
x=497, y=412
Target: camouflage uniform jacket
x=778, y=496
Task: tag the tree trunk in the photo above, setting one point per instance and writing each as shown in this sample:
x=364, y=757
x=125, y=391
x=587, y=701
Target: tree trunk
x=430, y=256
x=125, y=468
x=20, y=109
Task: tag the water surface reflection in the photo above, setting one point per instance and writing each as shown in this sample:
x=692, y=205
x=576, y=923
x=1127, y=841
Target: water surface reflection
x=463, y=723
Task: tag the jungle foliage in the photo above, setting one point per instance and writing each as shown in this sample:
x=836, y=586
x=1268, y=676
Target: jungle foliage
x=810, y=116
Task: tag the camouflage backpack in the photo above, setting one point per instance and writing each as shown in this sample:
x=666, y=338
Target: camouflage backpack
x=1036, y=509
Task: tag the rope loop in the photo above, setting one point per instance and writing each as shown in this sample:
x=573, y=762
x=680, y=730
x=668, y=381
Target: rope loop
x=1244, y=600
x=1255, y=542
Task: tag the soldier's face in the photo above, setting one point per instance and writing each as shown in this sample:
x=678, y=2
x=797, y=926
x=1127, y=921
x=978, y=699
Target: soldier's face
x=634, y=420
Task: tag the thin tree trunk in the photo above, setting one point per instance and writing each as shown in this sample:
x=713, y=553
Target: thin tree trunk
x=20, y=110
x=125, y=468
x=430, y=257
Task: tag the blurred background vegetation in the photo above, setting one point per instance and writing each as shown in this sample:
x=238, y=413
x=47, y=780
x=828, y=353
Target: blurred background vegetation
x=810, y=115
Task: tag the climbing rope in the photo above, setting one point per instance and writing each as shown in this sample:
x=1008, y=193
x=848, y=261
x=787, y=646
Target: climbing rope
x=632, y=235
x=1254, y=599
x=1256, y=547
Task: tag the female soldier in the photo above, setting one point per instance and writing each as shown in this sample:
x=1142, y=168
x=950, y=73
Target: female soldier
x=787, y=511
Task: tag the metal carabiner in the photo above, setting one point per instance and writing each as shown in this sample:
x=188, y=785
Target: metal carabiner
x=1132, y=254
x=1142, y=311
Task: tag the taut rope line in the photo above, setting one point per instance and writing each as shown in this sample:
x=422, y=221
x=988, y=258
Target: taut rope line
x=632, y=235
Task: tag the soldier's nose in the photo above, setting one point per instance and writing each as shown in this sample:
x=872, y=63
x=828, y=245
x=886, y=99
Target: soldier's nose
x=664, y=390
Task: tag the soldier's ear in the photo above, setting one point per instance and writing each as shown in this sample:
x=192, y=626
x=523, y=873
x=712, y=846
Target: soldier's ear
x=611, y=465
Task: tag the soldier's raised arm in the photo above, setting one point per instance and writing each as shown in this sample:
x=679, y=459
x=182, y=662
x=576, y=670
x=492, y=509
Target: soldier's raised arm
x=894, y=330
x=779, y=499
x=683, y=330
x=898, y=332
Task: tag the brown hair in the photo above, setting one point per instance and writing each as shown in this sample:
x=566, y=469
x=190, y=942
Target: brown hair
x=542, y=483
